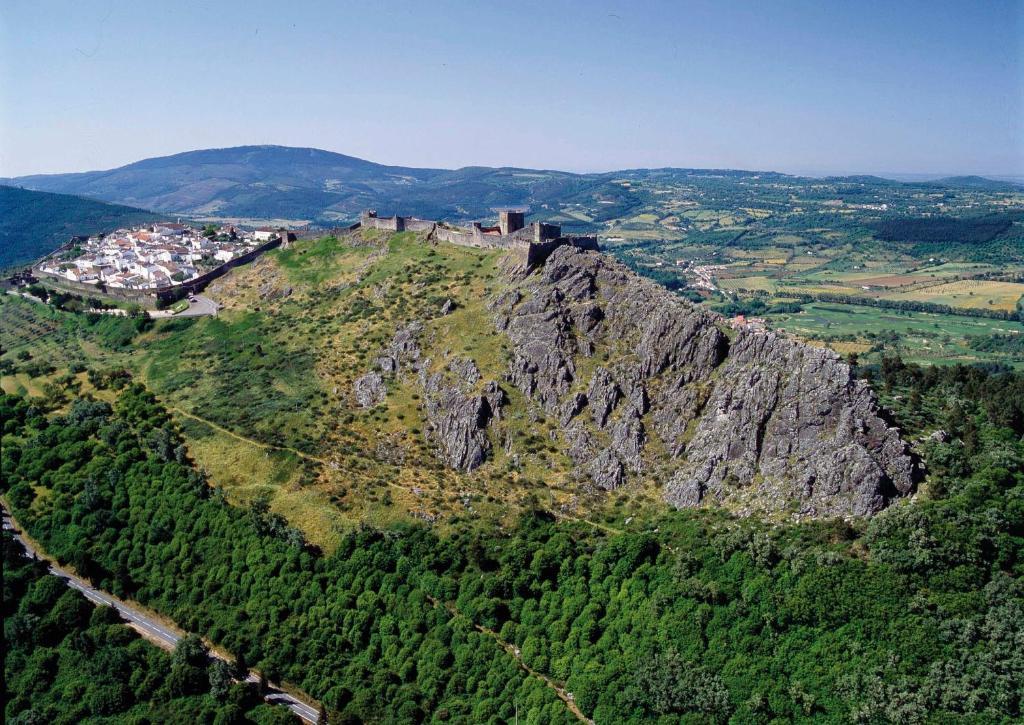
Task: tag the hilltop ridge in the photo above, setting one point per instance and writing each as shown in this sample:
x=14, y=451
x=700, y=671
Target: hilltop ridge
x=33, y=223
x=376, y=376
x=742, y=413
x=623, y=385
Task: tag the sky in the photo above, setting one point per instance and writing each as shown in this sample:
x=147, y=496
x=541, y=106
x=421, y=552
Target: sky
x=814, y=87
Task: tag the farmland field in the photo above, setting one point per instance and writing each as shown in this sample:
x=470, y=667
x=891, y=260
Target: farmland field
x=918, y=336
x=971, y=294
x=758, y=282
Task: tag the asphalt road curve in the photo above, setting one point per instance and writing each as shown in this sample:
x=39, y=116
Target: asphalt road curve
x=154, y=629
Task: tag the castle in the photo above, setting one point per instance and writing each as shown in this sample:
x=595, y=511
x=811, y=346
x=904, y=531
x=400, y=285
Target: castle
x=537, y=239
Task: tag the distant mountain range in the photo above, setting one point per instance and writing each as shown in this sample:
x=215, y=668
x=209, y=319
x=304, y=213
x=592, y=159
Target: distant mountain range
x=305, y=183
x=299, y=183
x=33, y=223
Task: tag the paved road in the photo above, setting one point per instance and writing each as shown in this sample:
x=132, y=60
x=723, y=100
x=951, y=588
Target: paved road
x=200, y=306
x=152, y=628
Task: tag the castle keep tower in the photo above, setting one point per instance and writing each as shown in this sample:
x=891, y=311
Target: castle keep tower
x=511, y=221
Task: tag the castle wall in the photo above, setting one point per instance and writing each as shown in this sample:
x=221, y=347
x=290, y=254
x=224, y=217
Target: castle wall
x=511, y=221
x=395, y=223
x=538, y=252
x=418, y=225
x=543, y=232
x=537, y=241
x=63, y=284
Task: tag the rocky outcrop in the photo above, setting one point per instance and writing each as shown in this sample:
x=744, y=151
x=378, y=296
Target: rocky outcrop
x=403, y=350
x=457, y=415
x=368, y=390
x=602, y=396
x=457, y=404
x=758, y=421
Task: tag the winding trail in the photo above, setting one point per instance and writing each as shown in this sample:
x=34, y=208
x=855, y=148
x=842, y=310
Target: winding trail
x=243, y=439
x=264, y=446
x=594, y=524
x=564, y=695
x=326, y=462
x=168, y=636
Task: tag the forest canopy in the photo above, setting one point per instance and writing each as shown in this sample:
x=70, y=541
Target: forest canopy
x=917, y=615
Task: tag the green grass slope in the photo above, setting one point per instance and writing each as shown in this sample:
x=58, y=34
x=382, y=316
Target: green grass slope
x=264, y=391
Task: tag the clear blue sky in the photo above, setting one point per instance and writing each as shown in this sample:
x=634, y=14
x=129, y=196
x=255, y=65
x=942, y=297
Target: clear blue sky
x=798, y=86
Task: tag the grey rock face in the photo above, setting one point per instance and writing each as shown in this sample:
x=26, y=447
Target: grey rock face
x=404, y=349
x=571, y=408
x=270, y=291
x=458, y=408
x=368, y=390
x=628, y=439
x=495, y=398
x=458, y=418
x=606, y=471
x=602, y=396
x=465, y=370
x=759, y=420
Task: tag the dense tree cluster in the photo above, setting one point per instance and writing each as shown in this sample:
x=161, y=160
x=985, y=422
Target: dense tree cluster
x=943, y=229
x=702, y=617
x=66, y=661
x=33, y=223
x=1010, y=343
x=126, y=509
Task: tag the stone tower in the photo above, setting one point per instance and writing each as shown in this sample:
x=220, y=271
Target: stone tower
x=511, y=221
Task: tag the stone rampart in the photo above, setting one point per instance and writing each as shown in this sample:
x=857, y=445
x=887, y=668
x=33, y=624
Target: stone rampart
x=537, y=240
x=538, y=252
x=146, y=298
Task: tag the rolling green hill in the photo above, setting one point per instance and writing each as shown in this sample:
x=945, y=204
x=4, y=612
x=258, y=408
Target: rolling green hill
x=280, y=480
x=33, y=223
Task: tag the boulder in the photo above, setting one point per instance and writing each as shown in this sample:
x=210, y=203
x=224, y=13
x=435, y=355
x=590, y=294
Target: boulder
x=369, y=390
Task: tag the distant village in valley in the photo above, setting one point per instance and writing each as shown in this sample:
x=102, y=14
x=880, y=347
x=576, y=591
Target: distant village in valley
x=153, y=257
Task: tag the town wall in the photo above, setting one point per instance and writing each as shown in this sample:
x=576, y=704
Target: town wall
x=139, y=297
x=200, y=282
x=148, y=298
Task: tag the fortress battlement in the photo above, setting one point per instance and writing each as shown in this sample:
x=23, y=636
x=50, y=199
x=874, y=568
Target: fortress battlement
x=537, y=239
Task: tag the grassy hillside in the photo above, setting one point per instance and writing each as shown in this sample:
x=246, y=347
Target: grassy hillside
x=33, y=223
x=264, y=391
x=240, y=490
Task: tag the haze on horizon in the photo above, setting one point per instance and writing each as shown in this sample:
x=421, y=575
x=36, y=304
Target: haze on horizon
x=793, y=86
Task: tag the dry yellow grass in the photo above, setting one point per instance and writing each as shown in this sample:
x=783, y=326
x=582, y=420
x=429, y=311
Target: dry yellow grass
x=21, y=384
x=843, y=348
x=972, y=294
x=749, y=283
